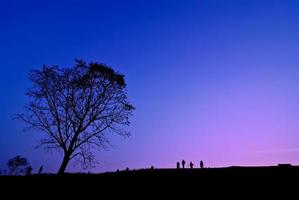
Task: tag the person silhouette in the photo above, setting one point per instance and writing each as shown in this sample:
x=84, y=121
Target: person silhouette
x=201, y=164
x=178, y=165
x=183, y=164
x=191, y=165
x=28, y=171
x=40, y=169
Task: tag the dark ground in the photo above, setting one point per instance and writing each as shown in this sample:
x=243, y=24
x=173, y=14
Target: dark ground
x=213, y=181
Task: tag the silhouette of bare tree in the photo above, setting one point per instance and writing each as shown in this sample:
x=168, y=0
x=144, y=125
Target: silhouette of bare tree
x=76, y=107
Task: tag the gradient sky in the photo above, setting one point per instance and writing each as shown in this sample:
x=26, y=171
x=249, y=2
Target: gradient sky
x=211, y=80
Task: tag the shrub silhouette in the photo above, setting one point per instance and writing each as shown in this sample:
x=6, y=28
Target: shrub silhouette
x=17, y=165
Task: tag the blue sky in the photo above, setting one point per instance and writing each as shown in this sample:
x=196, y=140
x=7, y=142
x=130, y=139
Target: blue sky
x=212, y=80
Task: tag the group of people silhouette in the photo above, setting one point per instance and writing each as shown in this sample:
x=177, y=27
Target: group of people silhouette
x=178, y=164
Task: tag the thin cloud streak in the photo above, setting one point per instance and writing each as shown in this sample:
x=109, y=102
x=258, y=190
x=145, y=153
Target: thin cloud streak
x=268, y=151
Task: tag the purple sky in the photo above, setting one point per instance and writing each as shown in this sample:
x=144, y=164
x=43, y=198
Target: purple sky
x=211, y=80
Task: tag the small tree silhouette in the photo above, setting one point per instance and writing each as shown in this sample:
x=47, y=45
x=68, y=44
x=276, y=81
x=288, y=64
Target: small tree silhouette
x=17, y=165
x=76, y=108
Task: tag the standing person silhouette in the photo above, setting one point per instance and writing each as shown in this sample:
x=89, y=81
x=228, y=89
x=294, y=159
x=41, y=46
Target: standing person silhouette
x=191, y=165
x=201, y=164
x=178, y=165
x=183, y=164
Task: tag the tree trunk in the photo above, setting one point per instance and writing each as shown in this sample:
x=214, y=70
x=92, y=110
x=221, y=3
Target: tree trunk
x=64, y=163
